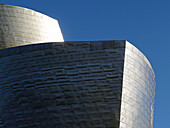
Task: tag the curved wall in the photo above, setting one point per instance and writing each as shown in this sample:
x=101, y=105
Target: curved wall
x=21, y=26
x=62, y=85
x=76, y=84
x=138, y=90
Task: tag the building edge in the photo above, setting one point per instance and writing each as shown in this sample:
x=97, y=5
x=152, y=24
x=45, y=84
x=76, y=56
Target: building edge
x=21, y=26
x=138, y=90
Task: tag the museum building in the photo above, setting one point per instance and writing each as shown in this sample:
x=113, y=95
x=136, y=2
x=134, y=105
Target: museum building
x=46, y=82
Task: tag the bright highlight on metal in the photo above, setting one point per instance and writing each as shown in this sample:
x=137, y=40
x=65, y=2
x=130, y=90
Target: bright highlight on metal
x=21, y=26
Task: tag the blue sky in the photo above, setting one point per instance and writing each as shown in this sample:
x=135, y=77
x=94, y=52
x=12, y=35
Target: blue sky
x=145, y=23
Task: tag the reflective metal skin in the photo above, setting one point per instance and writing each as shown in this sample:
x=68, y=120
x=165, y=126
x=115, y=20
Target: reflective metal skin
x=138, y=90
x=62, y=85
x=85, y=84
x=21, y=26
x=76, y=84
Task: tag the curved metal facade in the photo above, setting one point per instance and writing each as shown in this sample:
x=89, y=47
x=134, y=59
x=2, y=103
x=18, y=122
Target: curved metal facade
x=21, y=26
x=88, y=84
x=62, y=85
x=138, y=90
x=76, y=84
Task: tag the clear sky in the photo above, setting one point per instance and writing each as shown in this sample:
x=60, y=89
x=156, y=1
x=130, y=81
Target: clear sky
x=145, y=23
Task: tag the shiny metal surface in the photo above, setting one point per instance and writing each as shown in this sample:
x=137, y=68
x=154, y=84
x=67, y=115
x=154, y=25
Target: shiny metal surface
x=21, y=26
x=138, y=90
x=62, y=85
x=88, y=84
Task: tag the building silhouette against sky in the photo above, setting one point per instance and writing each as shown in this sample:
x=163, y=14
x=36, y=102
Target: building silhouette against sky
x=69, y=84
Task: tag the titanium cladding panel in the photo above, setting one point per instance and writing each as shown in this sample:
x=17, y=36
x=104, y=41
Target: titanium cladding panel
x=98, y=84
x=62, y=85
x=21, y=26
x=138, y=90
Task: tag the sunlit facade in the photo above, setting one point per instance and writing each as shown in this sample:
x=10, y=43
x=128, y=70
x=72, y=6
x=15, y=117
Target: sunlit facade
x=138, y=90
x=69, y=84
x=21, y=26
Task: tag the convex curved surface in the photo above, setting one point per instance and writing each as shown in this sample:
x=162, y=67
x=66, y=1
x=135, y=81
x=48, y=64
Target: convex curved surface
x=86, y=84
x=21, y=26
x=138, y=90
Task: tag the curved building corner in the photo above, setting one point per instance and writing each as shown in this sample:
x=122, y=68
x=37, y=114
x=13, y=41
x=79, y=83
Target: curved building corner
x=22, y=26
x=71, y=84
x=138, y=90
x=92, y=84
